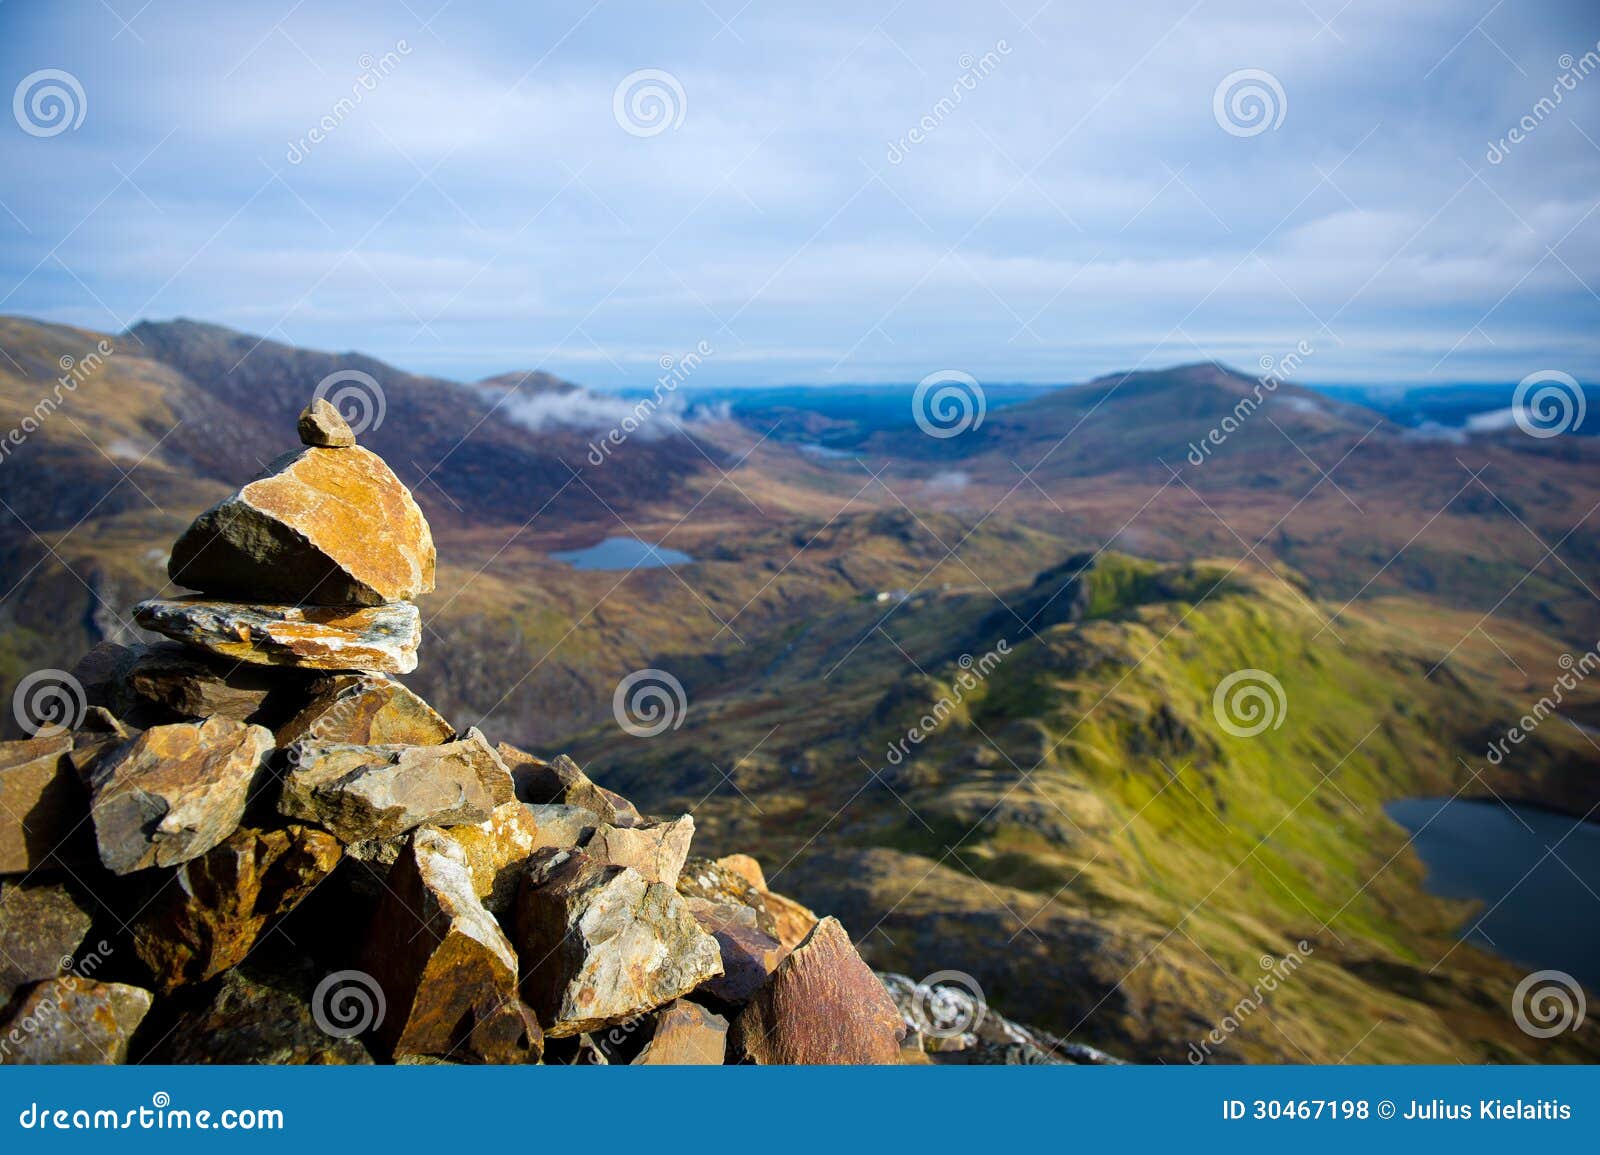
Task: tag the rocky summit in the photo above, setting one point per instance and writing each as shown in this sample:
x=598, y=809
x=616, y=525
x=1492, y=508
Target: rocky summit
x=256, y=846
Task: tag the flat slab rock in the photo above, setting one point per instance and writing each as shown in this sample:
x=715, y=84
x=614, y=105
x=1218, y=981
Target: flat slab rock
x=322, y=526
x=600, y=944
x=74, y=1020
x=181, y=682
x=210, y=914
x=448, y=973
x=376, y=793
x=175, y=791
x=823, y=1006
x=380, y=639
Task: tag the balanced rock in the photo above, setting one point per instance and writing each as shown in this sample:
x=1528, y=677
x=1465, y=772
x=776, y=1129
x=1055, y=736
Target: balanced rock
x=41, y=926
x=497, y=847
x=321, y=424
x=749, y=955
x=40, y=802
x=656, y=850
x=600, y=944
x=74, y=1020
x=366, y=793
x=686, y=1035
x=210, y=916
x=449, y=976
x=823, y=1005
x=330, y=527
x=175, y=791
x=381, y=638
x=365, y=710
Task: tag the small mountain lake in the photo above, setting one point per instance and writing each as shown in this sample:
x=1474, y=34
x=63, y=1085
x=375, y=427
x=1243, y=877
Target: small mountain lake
x=622, y=553
x=1536, y=872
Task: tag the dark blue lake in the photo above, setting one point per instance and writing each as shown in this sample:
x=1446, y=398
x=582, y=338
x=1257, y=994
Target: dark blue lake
x=622, y=553
x=1536, y=872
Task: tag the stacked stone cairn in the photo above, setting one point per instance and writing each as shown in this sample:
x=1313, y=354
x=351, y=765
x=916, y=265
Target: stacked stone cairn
x=253, y=845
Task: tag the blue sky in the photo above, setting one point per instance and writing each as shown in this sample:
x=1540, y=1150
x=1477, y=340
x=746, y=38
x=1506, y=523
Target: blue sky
x=1082, y=208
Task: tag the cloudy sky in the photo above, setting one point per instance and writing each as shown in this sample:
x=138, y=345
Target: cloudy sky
x=863, y=191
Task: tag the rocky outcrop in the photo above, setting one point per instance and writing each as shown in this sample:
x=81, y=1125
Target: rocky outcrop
x=295, y=859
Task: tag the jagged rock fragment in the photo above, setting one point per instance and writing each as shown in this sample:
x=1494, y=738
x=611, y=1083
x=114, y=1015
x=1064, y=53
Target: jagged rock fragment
x=175, y=791
x=705, y=879
x=656, y=850
x=325, y=527
x=791, y=921
x=365, y=710
x=746, y=868
x=41, y=802
x=497, y=847
x=320, y=424
x=364, y=793
x=686, y=1035
x=448, y=974
x=211, y=915
x=562, y=780
x=749, y=956
x=69, y=1020
x=600, y=943
x=822, y=1006
x=380, y=639
x=41, y=925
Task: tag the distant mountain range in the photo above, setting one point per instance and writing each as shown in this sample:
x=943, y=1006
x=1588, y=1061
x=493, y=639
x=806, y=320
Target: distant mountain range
x=1133, y=539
